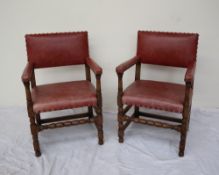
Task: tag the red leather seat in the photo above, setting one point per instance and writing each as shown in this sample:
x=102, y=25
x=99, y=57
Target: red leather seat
x=65, y=95
x=155, y=95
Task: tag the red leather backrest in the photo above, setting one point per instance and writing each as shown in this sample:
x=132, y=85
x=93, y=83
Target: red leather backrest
x=57, y=49
x=165, y=48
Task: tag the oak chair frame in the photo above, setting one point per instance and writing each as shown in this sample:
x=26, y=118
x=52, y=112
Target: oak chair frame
x=37, y=124
x=177, y=124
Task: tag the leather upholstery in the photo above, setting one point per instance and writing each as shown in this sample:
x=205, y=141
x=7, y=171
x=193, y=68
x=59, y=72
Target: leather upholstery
x=126, y=65
x=155, y=95
x=60, y=96
x=57, y=49
x=190, y=72
x=165, y=48
x=61, y=49
x=28, y=70
x=94, y=66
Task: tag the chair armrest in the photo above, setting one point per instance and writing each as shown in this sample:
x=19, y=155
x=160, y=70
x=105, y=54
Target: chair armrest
x=190, y=72
x=27, y=73
x=126, y=65
x=94, y=66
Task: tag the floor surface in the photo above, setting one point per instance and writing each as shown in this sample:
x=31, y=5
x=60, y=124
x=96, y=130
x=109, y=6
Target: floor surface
x=74, y=150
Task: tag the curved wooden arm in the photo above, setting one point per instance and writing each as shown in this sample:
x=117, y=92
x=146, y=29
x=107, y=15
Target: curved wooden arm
x=190, y=73
x=94, y=66
x=27, y=73
x=126, y=65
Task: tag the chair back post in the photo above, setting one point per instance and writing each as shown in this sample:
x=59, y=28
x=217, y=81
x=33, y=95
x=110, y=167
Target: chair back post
x=137, y=77
x=33, y=80
x=87, y=71
x=138, y=71
x=88, y=78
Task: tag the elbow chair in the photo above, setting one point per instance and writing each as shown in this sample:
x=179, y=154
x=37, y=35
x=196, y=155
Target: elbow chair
x=165, y=49
x=53, y=50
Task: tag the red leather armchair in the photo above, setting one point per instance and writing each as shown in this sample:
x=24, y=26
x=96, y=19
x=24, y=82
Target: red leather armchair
x=166, y=49
x=61, y=49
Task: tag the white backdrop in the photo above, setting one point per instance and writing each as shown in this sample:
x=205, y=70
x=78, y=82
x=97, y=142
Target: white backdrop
x=112, y=27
